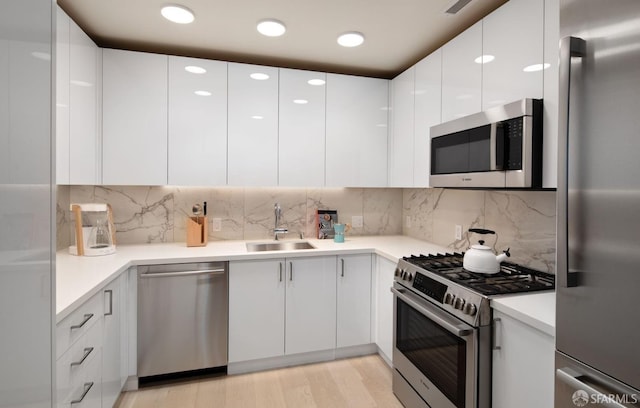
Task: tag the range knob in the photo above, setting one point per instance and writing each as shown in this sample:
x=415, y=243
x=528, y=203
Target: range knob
x=448, y=299
x=398, y=272
x=470, y=309
x=459, y=303
x=409, y=277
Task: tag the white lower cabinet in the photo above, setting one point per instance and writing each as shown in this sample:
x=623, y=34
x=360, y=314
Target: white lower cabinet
x=523, y=366
x=91, y=349
x=78, y=369
x=114, y=341
x=384, y=306
x=256, y=309
x=354, y=300
x=281, y=307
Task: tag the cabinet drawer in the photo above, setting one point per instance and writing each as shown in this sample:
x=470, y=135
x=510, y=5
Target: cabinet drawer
x=77, y=323
x=78, y=371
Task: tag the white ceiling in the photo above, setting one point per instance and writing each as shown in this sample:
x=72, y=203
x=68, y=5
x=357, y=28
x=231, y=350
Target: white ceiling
x=398, y=32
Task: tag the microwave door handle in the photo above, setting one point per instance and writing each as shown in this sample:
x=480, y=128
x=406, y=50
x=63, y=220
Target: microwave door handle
x=570, y=47
x=498, y=146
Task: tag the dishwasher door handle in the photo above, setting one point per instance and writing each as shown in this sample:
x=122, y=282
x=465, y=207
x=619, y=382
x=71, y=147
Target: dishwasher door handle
x=183, y=273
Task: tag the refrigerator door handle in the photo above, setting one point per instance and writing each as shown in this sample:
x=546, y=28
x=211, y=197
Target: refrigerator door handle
x=569, y=47
x=571, y=378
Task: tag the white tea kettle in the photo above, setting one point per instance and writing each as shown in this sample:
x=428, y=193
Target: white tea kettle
x=480, y=258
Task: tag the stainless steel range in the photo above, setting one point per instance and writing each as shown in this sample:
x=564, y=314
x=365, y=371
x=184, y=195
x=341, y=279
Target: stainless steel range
x=442, y=328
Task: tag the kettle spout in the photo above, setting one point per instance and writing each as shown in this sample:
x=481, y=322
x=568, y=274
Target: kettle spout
x=503, y=256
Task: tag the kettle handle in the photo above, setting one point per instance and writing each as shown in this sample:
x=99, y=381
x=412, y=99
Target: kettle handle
x=481, y=231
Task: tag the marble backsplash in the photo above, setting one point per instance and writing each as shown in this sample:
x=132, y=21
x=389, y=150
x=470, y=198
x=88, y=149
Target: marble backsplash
x=158, y=214
x=524, y=221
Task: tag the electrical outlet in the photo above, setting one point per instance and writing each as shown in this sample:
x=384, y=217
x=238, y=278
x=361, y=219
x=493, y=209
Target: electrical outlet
x=408, y=221
x=216, y=224
x=356, y=221
x=458, y=232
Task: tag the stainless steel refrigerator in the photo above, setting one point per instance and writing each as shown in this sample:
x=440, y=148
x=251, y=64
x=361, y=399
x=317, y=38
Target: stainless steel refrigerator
x=598, y=290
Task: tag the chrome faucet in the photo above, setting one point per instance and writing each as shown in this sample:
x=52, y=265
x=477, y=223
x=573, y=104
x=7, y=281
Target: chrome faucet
x=277, y=230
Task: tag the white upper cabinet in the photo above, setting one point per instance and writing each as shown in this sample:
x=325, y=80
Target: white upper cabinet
x=62, y=96
x=461, y=75
x=301, y=128
x=84, y=141
x=357, y=118
x=513, y=36
x=197, y=122
x=401, y=137
x=134, y=118
x=253, y=125
x=427, y=112
x=77, y=92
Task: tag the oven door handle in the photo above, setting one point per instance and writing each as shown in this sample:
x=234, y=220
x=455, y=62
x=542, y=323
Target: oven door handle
x=445, y=321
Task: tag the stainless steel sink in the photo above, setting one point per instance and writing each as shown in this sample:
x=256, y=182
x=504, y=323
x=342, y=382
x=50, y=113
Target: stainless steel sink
x=279, y=246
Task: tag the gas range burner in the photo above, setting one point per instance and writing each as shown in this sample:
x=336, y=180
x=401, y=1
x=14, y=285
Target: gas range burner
x=512, y=278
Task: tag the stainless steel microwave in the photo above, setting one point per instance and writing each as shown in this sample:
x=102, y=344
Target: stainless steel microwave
x=498, y=148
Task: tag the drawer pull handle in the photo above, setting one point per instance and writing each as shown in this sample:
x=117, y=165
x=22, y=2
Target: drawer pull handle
x=87, y=387
x=87, y=351
x=87, y=317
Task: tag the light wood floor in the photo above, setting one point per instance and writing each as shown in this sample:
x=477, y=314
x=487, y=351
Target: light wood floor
x=356, y=382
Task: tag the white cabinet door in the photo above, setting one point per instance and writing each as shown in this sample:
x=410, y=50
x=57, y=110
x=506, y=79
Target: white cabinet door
x=524, y=365
x=197, y=122
x=428, y=108
x=84, y=146
x=112, y=343
x=517, y=70
x=461, y=75
x=384, y=306
x=354, y=300
x=256, y=309
x=301, y=141
x=253, y=125
x=357, y=117
x=311, y=304
x=401, y=137
x=134, y=118
x=62, y=96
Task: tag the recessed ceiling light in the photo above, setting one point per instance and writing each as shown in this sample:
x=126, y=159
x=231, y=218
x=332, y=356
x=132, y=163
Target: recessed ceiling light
x=382, y=125
x=316, y=82
x=271, y=28
x=483, y=59
x=300, y=101
x=202, y=93
x=536, y=67
x=259, y=76
x=177, y=14
x=464, y=97
x=351, y=39
x=195, y=69
x=257, y=117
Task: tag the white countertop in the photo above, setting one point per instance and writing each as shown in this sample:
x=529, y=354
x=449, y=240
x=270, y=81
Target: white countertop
x=79, y=278
x=535, y=309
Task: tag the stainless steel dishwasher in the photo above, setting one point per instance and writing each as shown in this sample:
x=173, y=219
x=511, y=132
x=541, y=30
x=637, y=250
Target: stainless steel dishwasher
x=183, y=313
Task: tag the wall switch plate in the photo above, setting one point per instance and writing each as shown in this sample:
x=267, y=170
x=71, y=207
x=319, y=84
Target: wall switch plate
x=356, y=221
x=408, y=221
x=216, y=224
x=458, y=232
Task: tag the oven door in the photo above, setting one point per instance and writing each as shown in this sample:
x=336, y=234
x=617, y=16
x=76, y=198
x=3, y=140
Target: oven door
x=434, y=352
